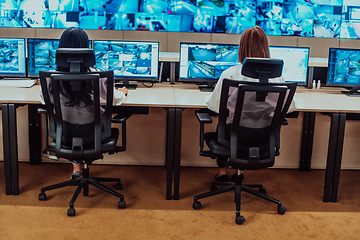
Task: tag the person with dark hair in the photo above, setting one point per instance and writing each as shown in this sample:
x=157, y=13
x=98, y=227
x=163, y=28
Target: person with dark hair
x=253, y=43
x=75, y=103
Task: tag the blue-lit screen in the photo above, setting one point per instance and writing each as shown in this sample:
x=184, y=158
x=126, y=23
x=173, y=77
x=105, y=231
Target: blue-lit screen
x=343, y=67
x=295, y=68
x=308, y=18
x=128, y=59
x=204, y=62
x=12, y=57
x=41, y=55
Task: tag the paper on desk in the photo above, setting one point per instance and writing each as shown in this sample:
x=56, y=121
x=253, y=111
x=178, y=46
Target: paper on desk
x=17, y=83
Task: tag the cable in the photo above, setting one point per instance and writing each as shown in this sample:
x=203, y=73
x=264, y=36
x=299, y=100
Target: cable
x=148, y=86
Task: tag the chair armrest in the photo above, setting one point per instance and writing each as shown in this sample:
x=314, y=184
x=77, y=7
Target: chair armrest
x=203, y=117
x=42, y=111
x=285, y=122
x=121, y=117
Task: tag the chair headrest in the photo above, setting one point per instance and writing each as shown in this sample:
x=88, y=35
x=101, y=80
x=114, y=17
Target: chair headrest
x=75, y=58
x=262, y=68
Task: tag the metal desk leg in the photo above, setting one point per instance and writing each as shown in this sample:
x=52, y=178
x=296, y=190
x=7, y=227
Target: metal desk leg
x=338, y=157
x=177, y=151
x=13, y=149
x=330, y=164
x=307, y=141
x=170, y=151
x=6, y=144
x=34, y=134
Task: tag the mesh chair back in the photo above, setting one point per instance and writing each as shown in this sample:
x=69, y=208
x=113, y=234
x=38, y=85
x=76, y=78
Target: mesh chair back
x=77, y=129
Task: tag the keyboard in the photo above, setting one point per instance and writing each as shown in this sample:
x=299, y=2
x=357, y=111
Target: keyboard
x=17, y=82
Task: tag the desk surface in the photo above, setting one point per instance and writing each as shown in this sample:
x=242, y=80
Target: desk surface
x=189, y=96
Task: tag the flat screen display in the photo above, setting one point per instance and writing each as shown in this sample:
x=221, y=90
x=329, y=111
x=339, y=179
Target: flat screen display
x=131, y=60
x=206, y=62
x=12, y=57
x=307, y=18
x=296, y=61
x=343, y=67
x=41, y=55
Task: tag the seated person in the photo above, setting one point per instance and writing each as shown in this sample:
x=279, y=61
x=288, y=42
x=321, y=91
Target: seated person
x=253, y=43
x=78, y=38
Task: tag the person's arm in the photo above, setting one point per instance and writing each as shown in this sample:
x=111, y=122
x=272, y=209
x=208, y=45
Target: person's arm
x=118, y=96
x=213, y=100
x=292, y=107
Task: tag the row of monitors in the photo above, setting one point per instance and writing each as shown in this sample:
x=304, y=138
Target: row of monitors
x=308, y=18
x=199, y=62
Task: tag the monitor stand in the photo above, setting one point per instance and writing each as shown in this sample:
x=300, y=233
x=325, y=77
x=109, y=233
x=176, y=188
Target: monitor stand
x=209, y=87
x=352, y=92
x=125, y=83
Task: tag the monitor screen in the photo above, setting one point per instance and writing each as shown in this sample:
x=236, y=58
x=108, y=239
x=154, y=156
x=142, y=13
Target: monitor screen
x=344, y=68
x=130, y=60
x=205, y=62
x=12, y=57
x=295, y=62
x=41, y=55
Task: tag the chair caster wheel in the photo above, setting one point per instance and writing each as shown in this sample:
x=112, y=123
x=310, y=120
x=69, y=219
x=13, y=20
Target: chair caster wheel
x=281, y=210
x=196, y=205
x=121, y=204
x=262, y=190
x=71, y=212
x=239, y=220
x=42, y=197
x=118, y=186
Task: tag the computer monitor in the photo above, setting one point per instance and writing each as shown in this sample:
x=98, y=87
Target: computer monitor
x=296, y=61
x=202, y=62
x=130, y=60
x=12, y=57
x=41, y=55
x=344, y=69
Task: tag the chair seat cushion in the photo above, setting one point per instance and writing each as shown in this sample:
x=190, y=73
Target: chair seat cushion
x=242, y=154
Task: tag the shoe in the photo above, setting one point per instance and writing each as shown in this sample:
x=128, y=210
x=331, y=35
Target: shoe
x=75, y=175
x=222, y=178
x=234, y=176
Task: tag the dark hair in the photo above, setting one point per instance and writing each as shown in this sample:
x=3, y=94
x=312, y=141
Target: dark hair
x=75, y=38
x=253, y=43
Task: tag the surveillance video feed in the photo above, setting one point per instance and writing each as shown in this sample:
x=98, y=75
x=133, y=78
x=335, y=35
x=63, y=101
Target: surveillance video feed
x=41, y=55
x=307, y=18
x=128, y=59
x=12, y=56
x=294, y=69
x=206, y=61
x=344, y=67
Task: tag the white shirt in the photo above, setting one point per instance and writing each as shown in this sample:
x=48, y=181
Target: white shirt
x=254, y=114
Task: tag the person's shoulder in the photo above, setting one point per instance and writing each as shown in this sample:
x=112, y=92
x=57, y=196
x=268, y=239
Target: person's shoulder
x=233, y=72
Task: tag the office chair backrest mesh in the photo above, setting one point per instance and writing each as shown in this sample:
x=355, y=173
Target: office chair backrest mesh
x=80, y=137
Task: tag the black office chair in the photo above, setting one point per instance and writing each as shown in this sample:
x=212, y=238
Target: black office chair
x=247, y=148
x=81, y=143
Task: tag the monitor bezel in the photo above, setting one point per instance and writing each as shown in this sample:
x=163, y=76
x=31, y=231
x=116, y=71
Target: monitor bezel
x=17, y=75
x=307, y=67
x=353, y=88
x=127, y=78
x=201, y=80
x=42, y=39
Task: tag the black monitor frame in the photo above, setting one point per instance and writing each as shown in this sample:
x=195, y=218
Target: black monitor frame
x=30, y=56
x=19, y=74
x=125, y=79
x=206, y=84
x=353, y=89
x=305, y=83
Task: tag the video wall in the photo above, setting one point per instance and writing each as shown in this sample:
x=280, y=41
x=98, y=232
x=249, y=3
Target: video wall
x=308, y=18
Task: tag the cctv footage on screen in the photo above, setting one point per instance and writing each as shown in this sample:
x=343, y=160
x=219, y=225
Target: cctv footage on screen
x=206, y=61
x=308, y=18
x=344, y=66
x=135, y=59
x=12, y=56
